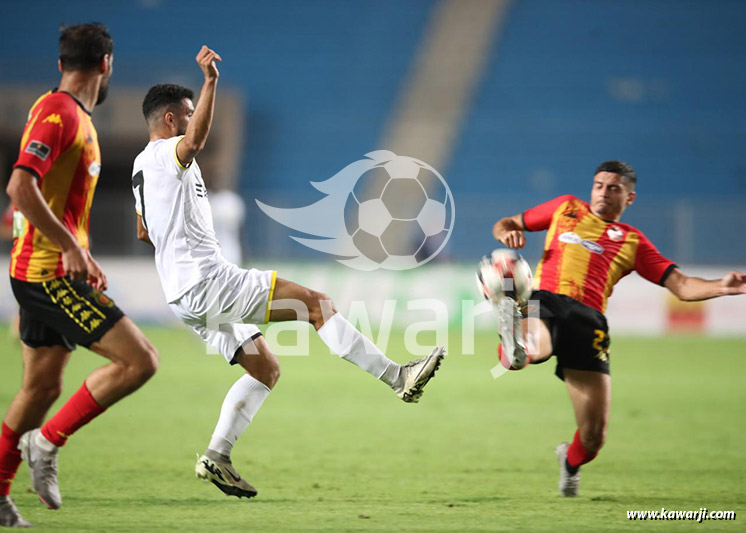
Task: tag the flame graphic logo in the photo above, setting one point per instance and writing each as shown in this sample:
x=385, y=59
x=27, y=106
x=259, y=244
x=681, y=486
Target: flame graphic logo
x=383, y=211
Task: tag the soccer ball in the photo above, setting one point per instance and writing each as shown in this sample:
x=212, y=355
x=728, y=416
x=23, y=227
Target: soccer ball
x=504, y=273
x=399, y=214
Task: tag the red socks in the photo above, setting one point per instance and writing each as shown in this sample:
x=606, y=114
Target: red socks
x=577, y=454
x=10, y=458
x=80, y=409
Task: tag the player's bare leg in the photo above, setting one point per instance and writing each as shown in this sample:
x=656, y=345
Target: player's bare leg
x=133, y=361
x=240, y=406
x=42, y=383
x=342, y=338
x=590, y=393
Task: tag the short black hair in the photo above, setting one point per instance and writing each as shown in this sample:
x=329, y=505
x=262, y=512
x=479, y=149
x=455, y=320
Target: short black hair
x=83, y=46
x=163, y=95
x=619, y=167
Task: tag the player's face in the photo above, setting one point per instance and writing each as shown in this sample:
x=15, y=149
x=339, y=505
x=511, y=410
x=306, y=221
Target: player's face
x=103, y=89
x=610, y=196
x=183, y=115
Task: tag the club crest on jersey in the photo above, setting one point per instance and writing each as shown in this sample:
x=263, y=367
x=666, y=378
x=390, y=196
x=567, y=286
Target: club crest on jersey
x=39, y=149
x=94, y=169
x=615, y=234
x=570, y=237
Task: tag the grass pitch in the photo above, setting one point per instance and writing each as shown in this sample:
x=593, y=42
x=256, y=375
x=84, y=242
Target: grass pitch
x=333, y=450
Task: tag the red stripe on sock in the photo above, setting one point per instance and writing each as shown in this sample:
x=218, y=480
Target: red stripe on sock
x=80, y=409
x=10, y=458
x=577, y=454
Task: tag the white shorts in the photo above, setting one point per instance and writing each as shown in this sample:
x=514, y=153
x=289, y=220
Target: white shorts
x=224, y=308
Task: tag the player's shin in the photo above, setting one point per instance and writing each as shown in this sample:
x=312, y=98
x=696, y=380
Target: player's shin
x=347, y=342
x=240, y=406
x=10, y=458
x=79, y=410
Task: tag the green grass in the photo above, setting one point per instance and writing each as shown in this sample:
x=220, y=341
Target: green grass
x=333, y=450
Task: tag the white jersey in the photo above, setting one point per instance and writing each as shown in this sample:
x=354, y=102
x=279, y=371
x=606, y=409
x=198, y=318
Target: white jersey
x=172, y=201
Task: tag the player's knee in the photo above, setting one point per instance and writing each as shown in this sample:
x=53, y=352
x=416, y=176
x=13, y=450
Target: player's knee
x=44, y=392
x=321, y=307
x=146, y=364
x=268, y=373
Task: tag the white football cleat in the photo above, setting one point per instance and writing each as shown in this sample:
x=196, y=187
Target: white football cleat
x=222, y=474
x=569, y=484
x=9, y=515
x=415, y=375
x=510, y=328
x=42, y=465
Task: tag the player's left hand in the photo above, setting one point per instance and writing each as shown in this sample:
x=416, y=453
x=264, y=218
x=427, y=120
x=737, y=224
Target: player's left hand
x=734, y=283
x=96, y=277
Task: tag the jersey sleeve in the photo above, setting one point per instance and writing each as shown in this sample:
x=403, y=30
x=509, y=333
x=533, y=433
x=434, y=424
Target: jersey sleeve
x=166, y=155
x=540, y=217
x=137, y=189
x=650, y=263
x=48, y=133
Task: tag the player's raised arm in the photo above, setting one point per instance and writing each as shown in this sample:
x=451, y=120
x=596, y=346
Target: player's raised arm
x=199, y=126
x=509, y=231
x=691, y=289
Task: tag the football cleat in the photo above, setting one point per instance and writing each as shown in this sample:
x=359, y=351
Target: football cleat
x=42, y=466
x=415, y=375
x=9, y=515
x=513, y=350
x=222, y=474
x=569, y=484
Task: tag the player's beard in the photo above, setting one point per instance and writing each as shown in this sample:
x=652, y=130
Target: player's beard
x=103, y=90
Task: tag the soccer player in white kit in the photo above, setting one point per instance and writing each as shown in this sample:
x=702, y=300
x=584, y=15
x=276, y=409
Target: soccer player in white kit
x=219, y=300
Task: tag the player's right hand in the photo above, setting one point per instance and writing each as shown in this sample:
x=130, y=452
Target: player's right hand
x=206, y=59
x=75, y=263
x=514, y=239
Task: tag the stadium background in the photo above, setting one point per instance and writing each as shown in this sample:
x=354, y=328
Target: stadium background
x=514, y=102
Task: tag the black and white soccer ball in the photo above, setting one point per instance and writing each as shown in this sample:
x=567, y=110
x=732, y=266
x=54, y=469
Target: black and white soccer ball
x=400, y=213
x=504, y=272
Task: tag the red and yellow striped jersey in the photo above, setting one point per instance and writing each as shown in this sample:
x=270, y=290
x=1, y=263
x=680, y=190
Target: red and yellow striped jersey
x=60, y=147
x=585, y=256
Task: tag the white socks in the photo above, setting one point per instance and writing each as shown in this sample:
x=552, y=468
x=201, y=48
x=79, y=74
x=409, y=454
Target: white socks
x=343, y=339
x=241, y=403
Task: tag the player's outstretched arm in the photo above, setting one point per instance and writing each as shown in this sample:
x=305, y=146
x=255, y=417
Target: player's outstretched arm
x=77, y=262
x=691, y=289
x=199, y=126
x=509, y=231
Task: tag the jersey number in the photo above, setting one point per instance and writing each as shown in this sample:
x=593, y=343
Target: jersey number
x=601, y=344
x=138, y=183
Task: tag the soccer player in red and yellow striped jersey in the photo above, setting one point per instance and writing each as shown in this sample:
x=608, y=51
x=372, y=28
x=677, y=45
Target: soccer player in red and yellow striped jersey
x=59, y=148
x=57, y=283
x=586, y=252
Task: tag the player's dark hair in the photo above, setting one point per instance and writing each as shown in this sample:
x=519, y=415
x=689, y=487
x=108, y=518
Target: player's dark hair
x=164, y=95
x=619, y=167
x=83, y=46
